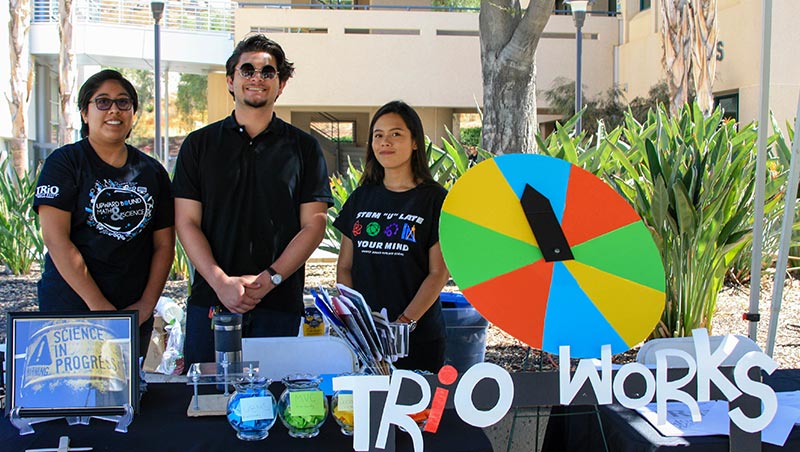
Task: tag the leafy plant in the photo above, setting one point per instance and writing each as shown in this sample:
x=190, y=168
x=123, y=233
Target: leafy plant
x=341, y=187
x=181, y=266
x=192, y=99
x=607, y=108
x=691, y=179
x=471, y=136
x=21, y=242
x=779, y=149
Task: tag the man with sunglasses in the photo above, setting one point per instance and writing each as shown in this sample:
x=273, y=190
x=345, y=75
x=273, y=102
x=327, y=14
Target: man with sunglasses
x=251, y=198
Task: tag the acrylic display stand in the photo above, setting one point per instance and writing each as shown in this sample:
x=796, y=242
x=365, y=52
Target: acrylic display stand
x=210, y=374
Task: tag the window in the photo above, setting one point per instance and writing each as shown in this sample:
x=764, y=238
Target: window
x=645, y=4
x=336, y=131
x=338, y=4
x=729, y=103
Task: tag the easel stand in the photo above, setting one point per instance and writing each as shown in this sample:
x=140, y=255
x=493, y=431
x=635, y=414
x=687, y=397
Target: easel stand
x=25, y=424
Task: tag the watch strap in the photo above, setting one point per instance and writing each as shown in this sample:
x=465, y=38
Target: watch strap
x=274, y=276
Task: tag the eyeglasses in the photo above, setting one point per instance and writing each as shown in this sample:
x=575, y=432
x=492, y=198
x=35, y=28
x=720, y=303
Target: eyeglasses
x=267, y=72
x=105, y=103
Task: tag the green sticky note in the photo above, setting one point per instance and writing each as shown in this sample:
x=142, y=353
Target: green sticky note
x=306, y=403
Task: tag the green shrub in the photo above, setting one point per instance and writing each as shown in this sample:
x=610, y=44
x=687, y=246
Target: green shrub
x=779, y=148
x=181, y=266
x=471, y=136
x=341, y=187
x=21, y=241
x=691, y=179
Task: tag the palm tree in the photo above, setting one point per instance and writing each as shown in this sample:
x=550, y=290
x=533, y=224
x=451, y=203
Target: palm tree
x=677, y=31
x=67, y=72
x=704, y=44
x=21, y=81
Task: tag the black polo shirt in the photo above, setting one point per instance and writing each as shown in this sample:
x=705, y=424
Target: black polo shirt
x=251, y=190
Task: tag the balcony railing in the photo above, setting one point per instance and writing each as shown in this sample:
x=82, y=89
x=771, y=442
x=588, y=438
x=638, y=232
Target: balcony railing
x=197, y=15
x=398, y=7
x=347, y=6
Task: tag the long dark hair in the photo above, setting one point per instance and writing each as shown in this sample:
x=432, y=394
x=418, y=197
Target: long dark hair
x=373, y=171
x=91, y=86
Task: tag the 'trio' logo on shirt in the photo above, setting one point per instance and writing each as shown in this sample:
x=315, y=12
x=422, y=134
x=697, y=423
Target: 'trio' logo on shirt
x=47, y=191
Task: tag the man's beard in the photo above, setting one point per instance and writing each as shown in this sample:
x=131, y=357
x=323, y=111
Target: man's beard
x=253, y=104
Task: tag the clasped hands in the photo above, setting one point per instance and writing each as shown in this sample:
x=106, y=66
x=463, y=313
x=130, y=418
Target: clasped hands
x=240, y=294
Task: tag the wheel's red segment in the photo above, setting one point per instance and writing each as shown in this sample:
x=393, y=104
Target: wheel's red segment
x=516, y=301
x=592, y=208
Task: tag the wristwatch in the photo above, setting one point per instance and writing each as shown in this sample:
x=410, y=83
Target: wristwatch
x=275, y=277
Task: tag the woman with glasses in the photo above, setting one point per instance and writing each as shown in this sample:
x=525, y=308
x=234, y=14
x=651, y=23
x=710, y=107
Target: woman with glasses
x=390, y=234
x=106, y=212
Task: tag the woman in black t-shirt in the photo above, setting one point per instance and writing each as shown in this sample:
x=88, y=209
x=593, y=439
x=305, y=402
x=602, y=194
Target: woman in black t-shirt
x=106, y=212
x=390, y=234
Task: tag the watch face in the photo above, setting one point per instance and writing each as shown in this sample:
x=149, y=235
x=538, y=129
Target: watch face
x=276, y=279
x=552, y=255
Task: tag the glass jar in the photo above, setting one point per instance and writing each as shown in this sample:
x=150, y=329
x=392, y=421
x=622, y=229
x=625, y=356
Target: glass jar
x=302, y=406
x=251, y=408
x=342, y=407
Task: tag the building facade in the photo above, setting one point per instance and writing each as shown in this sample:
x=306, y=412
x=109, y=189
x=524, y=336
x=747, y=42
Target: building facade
x=737, y=82
x=356, y=55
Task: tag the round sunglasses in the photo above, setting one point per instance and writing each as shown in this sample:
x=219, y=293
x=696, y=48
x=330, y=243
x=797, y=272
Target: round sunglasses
x=267, y=72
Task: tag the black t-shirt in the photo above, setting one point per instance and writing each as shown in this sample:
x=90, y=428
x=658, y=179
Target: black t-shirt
x=392, y=233
x=114, y=212
x=251, y=190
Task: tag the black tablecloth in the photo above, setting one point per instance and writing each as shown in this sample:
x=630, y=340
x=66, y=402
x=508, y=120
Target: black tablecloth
x=163, y=425
x=626, y=431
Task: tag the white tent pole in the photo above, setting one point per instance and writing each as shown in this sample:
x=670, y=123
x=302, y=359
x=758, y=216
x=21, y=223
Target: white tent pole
x=786, y=235
x=761, y=172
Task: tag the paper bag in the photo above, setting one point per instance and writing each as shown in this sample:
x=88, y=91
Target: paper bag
x=158, y=343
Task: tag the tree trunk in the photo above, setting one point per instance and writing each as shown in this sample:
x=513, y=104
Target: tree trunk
x=21, y=81
x=509, y=38
x=677, y=33
x=704, y=58
x=67, y=73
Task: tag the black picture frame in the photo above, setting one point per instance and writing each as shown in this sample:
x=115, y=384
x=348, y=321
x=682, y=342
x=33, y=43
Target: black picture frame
x=72, y=364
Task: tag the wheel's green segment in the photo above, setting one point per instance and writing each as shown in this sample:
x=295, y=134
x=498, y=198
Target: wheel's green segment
x=475, y=254
x=628, y=252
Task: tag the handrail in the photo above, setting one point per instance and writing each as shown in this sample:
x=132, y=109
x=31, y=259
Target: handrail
x=211, y=15
x=565, y=12
x=358, y=7
x=331, y=119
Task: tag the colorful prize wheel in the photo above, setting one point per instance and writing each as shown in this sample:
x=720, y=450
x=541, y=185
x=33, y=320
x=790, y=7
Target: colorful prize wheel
x=552, y=255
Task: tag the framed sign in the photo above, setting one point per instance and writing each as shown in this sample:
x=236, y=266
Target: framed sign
x=76, y=364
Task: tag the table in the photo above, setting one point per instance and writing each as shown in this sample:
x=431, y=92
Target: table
x=626, y=431
x=163, y=425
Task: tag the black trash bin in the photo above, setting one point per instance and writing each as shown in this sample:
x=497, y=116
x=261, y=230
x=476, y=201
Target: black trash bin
x=466, y=332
